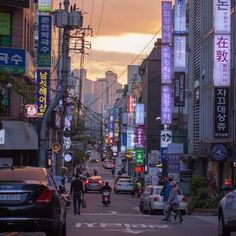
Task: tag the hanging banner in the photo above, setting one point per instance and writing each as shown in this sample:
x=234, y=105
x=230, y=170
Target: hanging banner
x=180, y=16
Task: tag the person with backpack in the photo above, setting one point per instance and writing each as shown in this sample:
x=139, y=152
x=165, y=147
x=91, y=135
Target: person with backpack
x=77, y=191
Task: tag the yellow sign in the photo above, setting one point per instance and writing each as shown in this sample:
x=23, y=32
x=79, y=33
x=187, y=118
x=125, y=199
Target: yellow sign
x=56, y=147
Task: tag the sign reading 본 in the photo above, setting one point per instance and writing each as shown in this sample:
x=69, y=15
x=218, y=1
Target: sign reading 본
x=12, y=60
x=42, y=90
x=44, y=41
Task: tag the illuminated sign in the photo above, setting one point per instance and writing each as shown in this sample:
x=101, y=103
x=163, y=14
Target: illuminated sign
x=139, y=114
x=221, y=72
x=179, y=89
x=44, y=5
x=139, y=156
x=139, y=137
x=166, y=21
x=166, y=64
x=166, y=104
x=44, y=41
x=179, y=53
x=42, y=90
x=166, y=138
x=130, y=107
x=222, y=16
x=180, y=16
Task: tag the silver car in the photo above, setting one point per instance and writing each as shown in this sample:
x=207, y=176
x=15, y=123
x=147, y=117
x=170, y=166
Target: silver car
x=227, y=214
x=152, y=200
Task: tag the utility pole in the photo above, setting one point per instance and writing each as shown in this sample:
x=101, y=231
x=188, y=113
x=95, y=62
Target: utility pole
x=68, y=20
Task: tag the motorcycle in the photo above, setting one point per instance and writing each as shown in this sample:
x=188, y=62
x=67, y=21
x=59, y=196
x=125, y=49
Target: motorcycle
x=106, y=198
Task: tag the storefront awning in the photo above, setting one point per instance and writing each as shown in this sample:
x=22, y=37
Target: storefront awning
x=19, y=135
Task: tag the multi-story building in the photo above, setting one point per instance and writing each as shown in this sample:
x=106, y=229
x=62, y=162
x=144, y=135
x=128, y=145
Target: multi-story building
x=17, y=23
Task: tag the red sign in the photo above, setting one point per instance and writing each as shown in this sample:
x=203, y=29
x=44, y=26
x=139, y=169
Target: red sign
x=138, y=169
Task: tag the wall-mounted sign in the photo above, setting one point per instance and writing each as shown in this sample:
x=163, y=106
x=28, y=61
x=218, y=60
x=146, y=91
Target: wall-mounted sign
x=222, y=16
x=31, y=110
x=56, y=147
x=219, y=152
x=44, y=41
x=44, y=5
x=166, y=21
x=166, y=104
x=221, y=71
x=179, y=53
x=42, y=90
x=179, y=89
x=139, y=114
x=166, y=138
x=180, y=16
x=12, y=60
x=166, y=64
x=221, y=112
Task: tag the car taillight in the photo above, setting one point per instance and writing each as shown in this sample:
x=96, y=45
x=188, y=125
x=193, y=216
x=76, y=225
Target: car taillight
x=45, y=197
x=156, y=199
x=100, y=182
x=87, y=181
x=184, y=199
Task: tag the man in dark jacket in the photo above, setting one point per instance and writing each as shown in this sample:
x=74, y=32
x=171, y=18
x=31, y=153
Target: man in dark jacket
x=77, y=190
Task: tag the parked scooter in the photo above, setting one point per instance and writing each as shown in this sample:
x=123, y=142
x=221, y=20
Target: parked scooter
x=106, y=196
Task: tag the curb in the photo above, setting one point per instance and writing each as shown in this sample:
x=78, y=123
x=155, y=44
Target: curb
x=203, y=211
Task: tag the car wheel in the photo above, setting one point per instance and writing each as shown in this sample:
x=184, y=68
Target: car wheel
x=222, y=230
x=55, y=231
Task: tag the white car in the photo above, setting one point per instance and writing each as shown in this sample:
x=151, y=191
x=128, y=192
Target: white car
x=124, y=185
x=227, y=214
x=151, y=200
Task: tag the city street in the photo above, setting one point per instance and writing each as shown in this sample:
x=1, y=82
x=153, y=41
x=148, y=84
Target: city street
x=122, y=217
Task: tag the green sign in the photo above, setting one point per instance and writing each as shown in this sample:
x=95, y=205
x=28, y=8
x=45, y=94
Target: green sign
x=139, y=156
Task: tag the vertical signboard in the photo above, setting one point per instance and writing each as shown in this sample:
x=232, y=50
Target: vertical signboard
x=139, y=137
x=222, y=16
x=180, y=16
x=221, y=73
x=166, y=104
x=179, y=53
x=44, y=41
x=42, y=90
x=166, y=22
x=221, y=112
x=166, y=64
x=139, y=114
x=179, y=89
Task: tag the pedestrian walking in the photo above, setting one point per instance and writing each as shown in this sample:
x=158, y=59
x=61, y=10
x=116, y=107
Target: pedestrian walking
x=77, y=192
x=166, y=192
x=173, y=202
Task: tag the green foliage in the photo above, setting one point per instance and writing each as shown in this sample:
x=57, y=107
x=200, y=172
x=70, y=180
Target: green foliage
x=200, y=198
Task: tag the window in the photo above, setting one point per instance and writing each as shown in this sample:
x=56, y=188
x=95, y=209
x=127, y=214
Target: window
x=5, y=29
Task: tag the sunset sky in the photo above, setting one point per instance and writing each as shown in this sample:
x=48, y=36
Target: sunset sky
x=123, y=34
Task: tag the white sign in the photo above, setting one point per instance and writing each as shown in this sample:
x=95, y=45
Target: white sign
x=2, y=136
x=166, y=138
x=221, y=71
x=179, y=53
x=180, y=16
x=31, y=110
x=139, y=114
x=222, y=16
x=67, y=157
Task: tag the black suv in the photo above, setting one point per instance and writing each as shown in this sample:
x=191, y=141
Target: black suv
x=30, y=201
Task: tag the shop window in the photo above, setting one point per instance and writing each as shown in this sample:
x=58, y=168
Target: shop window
x=5, y=29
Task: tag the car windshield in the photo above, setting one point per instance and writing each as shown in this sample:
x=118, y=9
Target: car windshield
x=158, y=191
x=22, y=174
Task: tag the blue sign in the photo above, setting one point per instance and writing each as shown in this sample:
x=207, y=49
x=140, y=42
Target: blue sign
x=12, y=60
x=44, y=41
x=164, y=153
x=173, y=163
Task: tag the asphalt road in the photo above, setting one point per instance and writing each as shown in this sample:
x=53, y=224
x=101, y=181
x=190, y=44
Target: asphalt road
x=122, y=217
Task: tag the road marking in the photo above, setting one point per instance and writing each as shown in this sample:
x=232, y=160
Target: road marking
x=124, y=226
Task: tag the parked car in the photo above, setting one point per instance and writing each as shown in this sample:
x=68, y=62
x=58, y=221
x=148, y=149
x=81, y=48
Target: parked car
x=124, y=185
x=121, y=177
x=94, y=183
x=152, y=200
x=227, y=214
x=31, y=202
